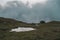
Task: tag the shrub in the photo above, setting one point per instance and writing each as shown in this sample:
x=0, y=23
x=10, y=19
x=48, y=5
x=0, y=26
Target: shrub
x=42, y=22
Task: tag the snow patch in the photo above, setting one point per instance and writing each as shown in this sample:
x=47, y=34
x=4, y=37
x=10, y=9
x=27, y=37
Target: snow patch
x=21, y=29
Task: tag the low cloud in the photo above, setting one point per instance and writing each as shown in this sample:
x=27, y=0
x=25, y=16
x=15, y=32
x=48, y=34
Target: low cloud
x=20, y=11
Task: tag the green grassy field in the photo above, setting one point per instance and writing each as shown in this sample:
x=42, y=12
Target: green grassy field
x=45, y=31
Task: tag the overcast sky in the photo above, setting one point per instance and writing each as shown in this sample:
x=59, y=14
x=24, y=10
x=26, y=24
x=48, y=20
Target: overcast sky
x=3, y=2
x=46, y=10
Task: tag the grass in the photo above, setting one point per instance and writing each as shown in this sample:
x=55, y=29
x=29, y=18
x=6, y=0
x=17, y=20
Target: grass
x=45, y=31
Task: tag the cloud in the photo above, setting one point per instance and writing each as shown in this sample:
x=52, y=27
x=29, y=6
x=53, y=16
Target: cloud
x=54, y=6
x=18, y=10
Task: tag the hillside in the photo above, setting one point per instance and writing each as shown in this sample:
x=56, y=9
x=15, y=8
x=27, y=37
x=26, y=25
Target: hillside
x=11, y=23
x=45, y=31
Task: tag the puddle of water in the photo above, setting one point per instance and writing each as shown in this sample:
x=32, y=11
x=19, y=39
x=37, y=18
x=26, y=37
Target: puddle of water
x=21, y=29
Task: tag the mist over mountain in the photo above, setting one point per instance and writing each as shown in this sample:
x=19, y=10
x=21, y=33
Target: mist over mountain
x=20, y=11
